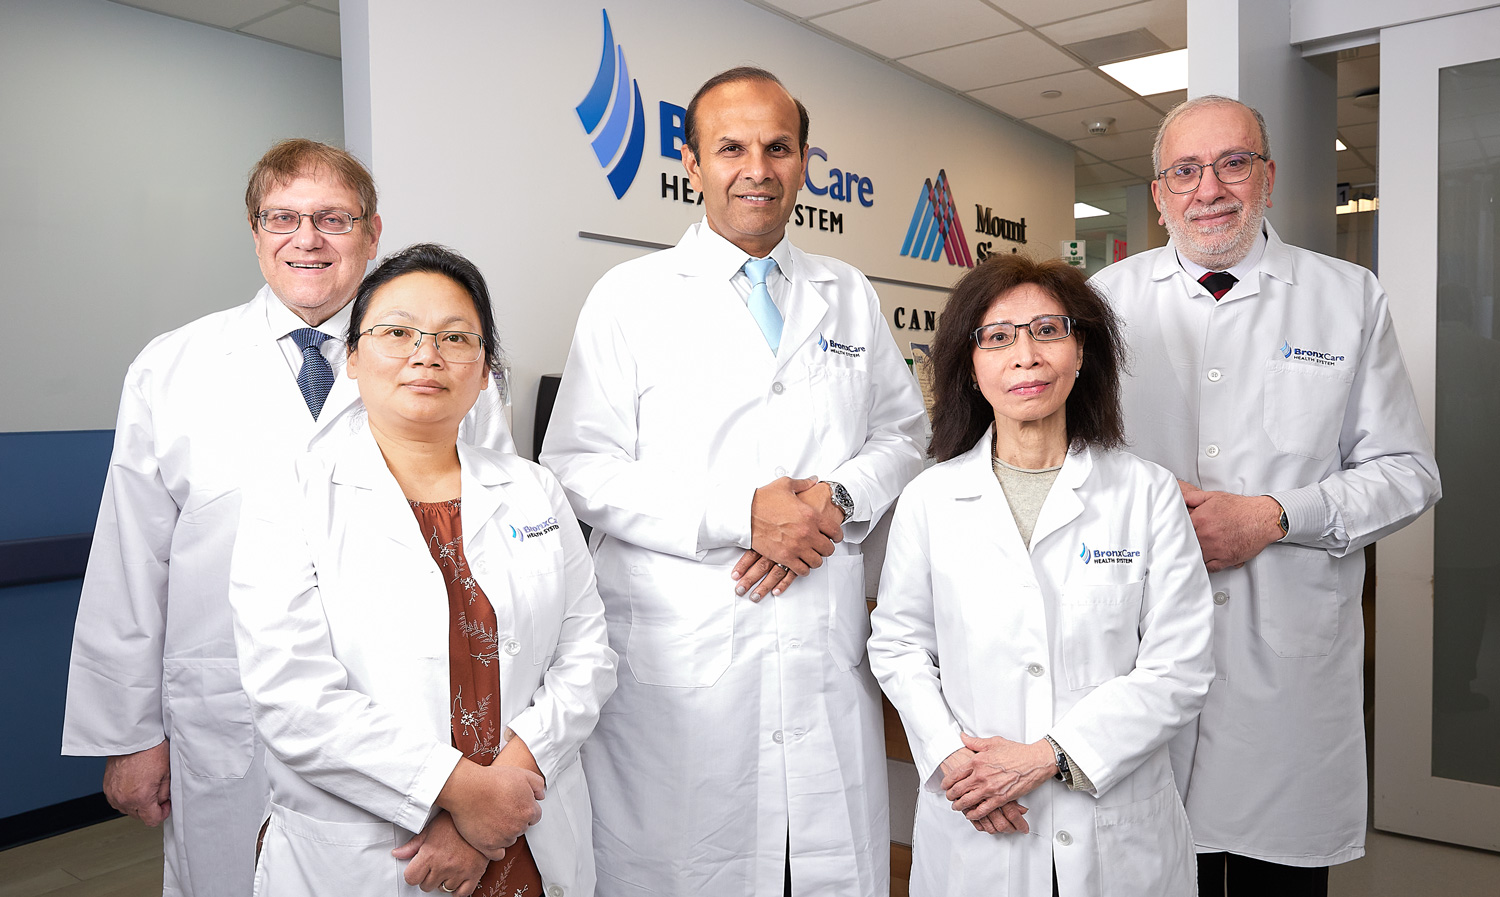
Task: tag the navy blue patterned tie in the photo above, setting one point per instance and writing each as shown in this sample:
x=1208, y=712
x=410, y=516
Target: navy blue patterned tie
x=316, y=378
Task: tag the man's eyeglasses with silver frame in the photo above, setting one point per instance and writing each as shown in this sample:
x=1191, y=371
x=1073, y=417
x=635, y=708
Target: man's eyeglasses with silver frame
x=400, y=341
x=1230, y=168
x=287, y=221
x=1043, y=329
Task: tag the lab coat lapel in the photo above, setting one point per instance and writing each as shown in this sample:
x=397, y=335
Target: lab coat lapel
x=379, y=500
x=482, y=482
x=1063, y=505
x=980, y=493
x=805, y=307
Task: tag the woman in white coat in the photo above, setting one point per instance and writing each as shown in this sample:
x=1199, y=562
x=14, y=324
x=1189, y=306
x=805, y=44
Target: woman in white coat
x=418, y=629
x=1044, y=622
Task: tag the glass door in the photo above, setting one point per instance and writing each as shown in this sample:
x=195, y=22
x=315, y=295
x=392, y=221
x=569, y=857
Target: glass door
x=1437, y=712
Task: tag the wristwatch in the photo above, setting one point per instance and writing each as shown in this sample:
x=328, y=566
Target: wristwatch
x=1064, y=774
x=840, y=497
x=1285, y=525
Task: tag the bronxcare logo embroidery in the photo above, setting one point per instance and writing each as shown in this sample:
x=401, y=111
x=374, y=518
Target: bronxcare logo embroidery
x=1108, y=556
x=1310, y=356
x=614, y=78
x=535, y=532
x=838, y=348
x=934, y=225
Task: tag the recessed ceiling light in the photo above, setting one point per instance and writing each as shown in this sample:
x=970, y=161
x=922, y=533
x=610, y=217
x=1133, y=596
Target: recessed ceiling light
x=1084, y=210
x=1051, y=94
x=1338, y=145
x=1151, y=74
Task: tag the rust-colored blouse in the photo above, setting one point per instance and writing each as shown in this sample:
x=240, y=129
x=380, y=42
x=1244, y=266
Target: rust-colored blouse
x=474, y=680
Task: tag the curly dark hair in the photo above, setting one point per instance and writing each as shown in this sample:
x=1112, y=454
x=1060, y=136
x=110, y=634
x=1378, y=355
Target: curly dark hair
x=961, y=414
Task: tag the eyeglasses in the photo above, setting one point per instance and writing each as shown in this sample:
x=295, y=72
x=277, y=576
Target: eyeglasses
x=1230, y=168
x=1043, y=329
x=397, y=341
x=287, y=221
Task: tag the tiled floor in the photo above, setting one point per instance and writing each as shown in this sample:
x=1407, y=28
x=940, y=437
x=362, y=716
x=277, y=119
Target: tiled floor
x=122, y=858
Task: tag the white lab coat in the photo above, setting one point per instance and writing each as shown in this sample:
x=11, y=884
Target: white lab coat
x=1225, y=395
x=341, y=622
x=1109, y=655
x=737, y=726
x=203, y=408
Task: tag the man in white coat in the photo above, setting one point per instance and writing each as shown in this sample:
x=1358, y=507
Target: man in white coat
x=154, y=686
x=733, y=419
x=1269, y=380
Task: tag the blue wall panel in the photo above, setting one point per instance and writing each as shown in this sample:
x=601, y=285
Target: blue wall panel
x=50, y=485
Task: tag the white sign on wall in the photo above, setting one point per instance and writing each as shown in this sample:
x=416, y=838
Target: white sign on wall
x=1072, y=253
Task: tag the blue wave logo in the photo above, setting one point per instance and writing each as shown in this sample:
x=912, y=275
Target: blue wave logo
x=609, y=132
x=822, y=343
x=1085, y=553
x=516, y=534
x=1286, y=349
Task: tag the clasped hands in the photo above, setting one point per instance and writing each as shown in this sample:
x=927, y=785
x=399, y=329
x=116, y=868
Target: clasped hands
x=793, y=525
x=483, y=810
x=1231, y=528
x=986, y=777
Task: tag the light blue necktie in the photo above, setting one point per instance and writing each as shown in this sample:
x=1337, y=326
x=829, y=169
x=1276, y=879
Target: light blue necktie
x=316, y=378
x=762, y=309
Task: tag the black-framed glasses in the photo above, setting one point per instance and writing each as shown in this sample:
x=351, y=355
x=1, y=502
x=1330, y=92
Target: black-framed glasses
x=1230, y=168
x=1043, y=329
x=287, y=221
x=400, y=341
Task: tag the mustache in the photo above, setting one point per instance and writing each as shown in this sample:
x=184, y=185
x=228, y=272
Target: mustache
x=1218, y=208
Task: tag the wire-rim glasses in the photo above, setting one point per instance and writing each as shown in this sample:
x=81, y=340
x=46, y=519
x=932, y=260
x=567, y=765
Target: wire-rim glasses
x=1230, y=168
x=289, y=221
x=1043, y=329
x=401, y=341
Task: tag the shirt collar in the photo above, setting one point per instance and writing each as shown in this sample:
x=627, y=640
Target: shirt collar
x=726, y=259
x=282, y=320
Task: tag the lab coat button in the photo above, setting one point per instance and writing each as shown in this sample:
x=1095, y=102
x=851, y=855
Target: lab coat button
x=554, y=891
x=1214, y=376
x=1035, y=669
x=512, y=647
x=1212, y=451
x=1064, y=838
x=781, y=471
x=778, y=737
x=1221, y=598
x=778, y=388
x=794, y=643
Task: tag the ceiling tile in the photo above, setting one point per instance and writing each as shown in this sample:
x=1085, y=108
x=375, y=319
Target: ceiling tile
x=1361, y=136
x=1165, y=101
x=1040, y=12
x=1167, y=19
x=806, y=8
x=302, y=27
x=995, y=60
x=1358, y=74
x=1358, y=176
x=1097, y=174
x=330, y=5
x=1120, y=147
x=1350, y=114
x=1139, y=166
x=1131, y=115
x=219, y=13
x=1023, y=99
x=896, y=28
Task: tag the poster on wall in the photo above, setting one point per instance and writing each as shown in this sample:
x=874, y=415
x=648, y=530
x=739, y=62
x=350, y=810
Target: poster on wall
x=1072, y=252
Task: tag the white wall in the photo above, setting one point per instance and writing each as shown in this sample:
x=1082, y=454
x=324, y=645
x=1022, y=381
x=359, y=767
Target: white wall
x=475, y=143
x=1315, y=21
x=127, y=140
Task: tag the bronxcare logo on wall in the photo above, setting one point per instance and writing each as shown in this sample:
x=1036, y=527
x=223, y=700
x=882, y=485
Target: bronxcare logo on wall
x=613, y=117
x=934, y=226
x=1108, y=556
x=1309, y=356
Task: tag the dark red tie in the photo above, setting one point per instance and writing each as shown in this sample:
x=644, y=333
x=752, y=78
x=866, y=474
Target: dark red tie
x=1218, y=283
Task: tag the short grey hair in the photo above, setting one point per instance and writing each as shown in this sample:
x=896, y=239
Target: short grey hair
x=1207, y=100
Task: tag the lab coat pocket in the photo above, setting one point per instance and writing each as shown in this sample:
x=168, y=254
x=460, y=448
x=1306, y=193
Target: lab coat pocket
x=848, y=614
x=1145, y=847
x=681, y=623
x=540, y=583
x=843, y=407
x=1099, y=630
x=211, y=728
x=1297, y=602
x=1303, y=409
x=303, y=855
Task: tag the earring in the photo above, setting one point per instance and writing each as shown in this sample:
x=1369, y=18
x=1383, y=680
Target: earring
x=1078, y=373
x=974, y=385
